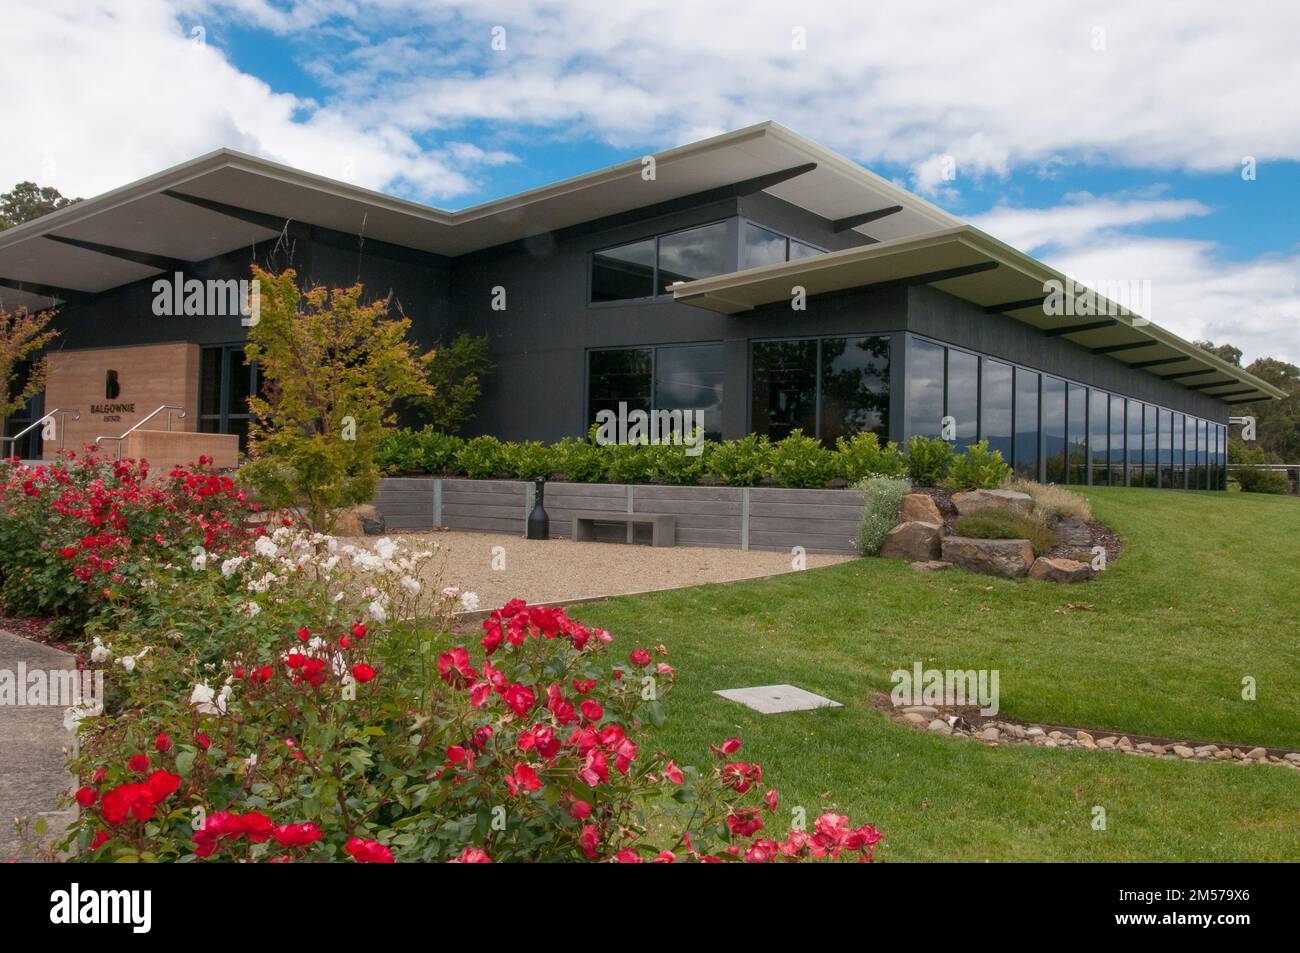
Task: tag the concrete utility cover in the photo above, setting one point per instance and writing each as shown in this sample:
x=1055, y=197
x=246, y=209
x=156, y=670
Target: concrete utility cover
x=775, y=699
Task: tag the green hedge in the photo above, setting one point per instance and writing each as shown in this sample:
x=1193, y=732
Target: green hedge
x=797, y=461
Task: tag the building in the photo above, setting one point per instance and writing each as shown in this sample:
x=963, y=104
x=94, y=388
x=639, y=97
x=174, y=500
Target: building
x=755, y=276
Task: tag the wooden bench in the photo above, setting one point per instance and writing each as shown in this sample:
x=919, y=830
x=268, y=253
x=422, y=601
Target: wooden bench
x=663, y=527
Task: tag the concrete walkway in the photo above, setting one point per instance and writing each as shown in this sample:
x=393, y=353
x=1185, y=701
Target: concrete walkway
x=33, y=776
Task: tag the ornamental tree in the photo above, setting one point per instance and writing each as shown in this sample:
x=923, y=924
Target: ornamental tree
x=332, y=367
x=23, y=334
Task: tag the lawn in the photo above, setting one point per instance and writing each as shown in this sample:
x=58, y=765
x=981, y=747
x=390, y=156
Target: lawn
x=1206, y=592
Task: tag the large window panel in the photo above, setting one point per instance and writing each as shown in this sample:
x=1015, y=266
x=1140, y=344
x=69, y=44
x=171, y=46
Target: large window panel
x=693, y=253
x=800, y=249
x=784, y=388
x=1134, y=417
x=996, y=398
x=1150, y=475
x=1202, y=455
x=855, y=387
x=1076, y=421
x=1166, y=449
x=624, y=272
x=1026, y=424
x=1223, y=458
x=1054, y=429
x=1179, y=471
x=1098, y=432
x=964, y=395
x=1117, y=471
x=690, y=378
x=924, y=388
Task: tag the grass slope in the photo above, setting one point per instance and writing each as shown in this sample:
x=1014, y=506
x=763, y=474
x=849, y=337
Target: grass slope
x=1205, y=593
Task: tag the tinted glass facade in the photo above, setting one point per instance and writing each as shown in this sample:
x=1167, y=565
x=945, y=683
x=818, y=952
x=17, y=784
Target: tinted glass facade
x=1061, y=431
x=684, y=377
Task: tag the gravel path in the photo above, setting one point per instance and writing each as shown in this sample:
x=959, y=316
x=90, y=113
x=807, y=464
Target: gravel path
x=32, y=739
x=558, y=569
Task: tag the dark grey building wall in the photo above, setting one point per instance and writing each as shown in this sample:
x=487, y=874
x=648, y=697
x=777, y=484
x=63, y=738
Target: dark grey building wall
x=951, y=320
x=419, y=283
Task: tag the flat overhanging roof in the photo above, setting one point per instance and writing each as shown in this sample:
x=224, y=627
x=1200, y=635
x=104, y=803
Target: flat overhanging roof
x=976, y=267
x=227, y=200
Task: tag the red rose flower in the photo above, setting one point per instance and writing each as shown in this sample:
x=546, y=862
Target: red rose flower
x=363, y=672
x=368, y=851
x=162, y=742
x=138, y=762
x=86, y=796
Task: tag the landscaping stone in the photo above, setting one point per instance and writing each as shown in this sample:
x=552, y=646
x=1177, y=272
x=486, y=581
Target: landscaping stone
x=942, y=727
x=919, y=508
x=1256, y=754
x=914, y=541
x=776, y=699
x=976, y=500
x=1060, y=570
x=365, y=520
x=931, y=565
x=1183, y=751
x=1072, y=531
x=992, y=557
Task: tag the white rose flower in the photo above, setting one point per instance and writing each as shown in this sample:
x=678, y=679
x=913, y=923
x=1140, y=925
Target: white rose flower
x=377, y=612
x=469, y=601
x=385, y=548
x=411, y=585
x=207, y=701
x=230, y=565
x=252, y=608
x=264, y=547
x=100, y=652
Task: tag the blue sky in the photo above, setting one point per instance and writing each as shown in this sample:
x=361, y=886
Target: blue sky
x=1105, y=137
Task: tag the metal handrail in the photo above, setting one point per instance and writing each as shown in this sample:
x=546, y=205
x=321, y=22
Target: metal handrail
x=170, y=408
x=56, y=412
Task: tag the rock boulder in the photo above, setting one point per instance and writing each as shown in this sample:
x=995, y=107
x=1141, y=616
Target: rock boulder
x=914, y=541
x=992, y=557
x=976, y=500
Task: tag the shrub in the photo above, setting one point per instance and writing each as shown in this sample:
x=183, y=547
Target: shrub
x=927, y=460
x=73, y=532
x=1003, y=524
x=580, y=460
x=417, y=451
x=741, y=462
x=481, y=458
x=302, y=731
x=628, y=462
x=670, y=463
x=527, y=460
x=1052, y=501
x=1253, y=479
x=880, y=513
x=801, y=462
x=1262, y=481
x=978, y=468
x=862, y=456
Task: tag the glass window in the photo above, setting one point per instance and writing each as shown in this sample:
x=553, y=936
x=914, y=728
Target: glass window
x=210, y=360
x=1202, y=450
x=995, y=406
x=628, y=271
x=1134, y=443
x=924, y=388
x=1150, y=475
x=784, y=388
x=1026, y=424
x=855, y=387
x=1116, y=474
x=1178, y=475
x=964, y=395
x=800, y=249
x=1098, y=432
x=693, y=253
x=1223, y=458
x=690, y=378
x=1054, y=429
x=1076, y=419
x=226, y=382
x=761, y=246
x=1166, y=449
x=619, y=376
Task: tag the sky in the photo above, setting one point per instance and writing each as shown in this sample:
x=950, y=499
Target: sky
x=1116, y=141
